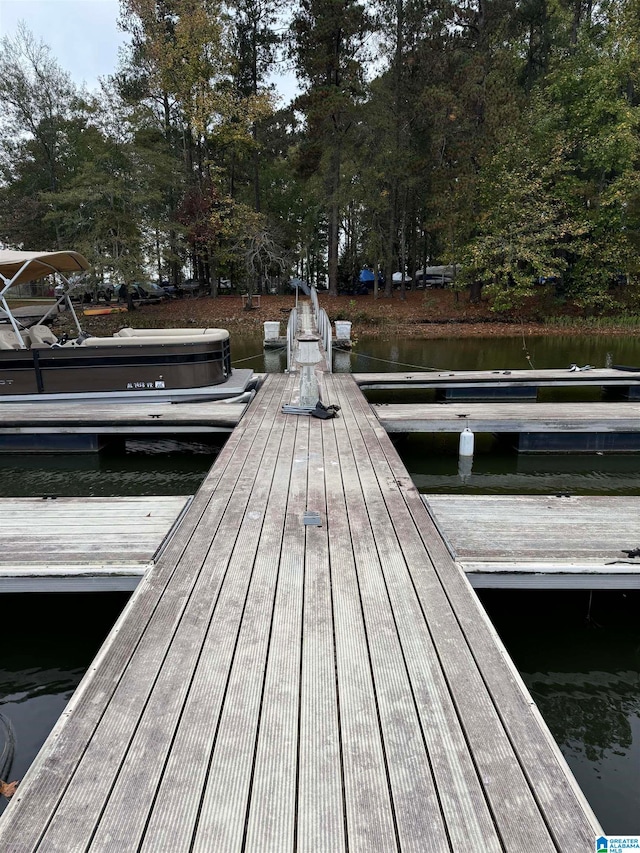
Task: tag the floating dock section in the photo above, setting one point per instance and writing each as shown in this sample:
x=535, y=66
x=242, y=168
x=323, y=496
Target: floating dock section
x=68, y=425
x=539, y=427
x=542, y=542
x=487, y=385
x=83, y=544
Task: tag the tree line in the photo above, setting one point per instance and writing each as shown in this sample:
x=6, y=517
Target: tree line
x=500, y=136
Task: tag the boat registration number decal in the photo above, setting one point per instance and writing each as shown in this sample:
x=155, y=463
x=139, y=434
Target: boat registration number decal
x=136, y=386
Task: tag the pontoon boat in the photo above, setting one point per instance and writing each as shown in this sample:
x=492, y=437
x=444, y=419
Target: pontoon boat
x=133, y=364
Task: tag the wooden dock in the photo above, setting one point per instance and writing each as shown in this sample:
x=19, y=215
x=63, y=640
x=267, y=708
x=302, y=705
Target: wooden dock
x=274, y=685
x=88, y=427
x=485, y=380
x=70, y=425
x=542, y=542
x=509, y=417
x=540, y=426
x=116, y=418
x=82, y=544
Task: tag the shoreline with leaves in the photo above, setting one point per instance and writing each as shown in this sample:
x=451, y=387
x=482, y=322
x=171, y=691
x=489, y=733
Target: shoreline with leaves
x=423, y=314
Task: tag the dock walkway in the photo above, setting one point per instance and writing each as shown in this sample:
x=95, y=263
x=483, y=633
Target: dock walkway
x=622, y=417
x=280, y=686
x=116, y=418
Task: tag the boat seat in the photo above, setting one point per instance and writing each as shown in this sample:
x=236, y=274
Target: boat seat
x=9, y=339
x=42, y=336
x=144, y=333
x=156, y=340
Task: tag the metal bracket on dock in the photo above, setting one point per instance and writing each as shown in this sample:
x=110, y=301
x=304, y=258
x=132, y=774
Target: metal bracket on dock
x=311, y=518
x=290, y=409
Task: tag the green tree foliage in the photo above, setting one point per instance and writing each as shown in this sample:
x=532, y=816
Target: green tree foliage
x=40, y=130
x=328, y=39
x=179, y=77
x=526, y=229
x=560, y=198
x=495, y=134
x=254, y=42
x=102, y=207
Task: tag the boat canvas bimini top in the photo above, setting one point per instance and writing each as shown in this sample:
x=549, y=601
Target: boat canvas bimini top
x=133, y=364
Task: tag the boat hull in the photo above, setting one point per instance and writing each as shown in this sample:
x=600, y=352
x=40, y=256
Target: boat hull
x=120, y=367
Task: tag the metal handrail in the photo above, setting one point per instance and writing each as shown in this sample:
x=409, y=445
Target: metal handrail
x=314, y=299
x=324, y=327
x=292, y=328
x=323, y=324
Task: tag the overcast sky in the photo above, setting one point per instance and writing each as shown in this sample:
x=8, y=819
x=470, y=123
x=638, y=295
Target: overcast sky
x=82, y=34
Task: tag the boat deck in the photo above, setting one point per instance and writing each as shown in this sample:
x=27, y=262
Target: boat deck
x=543, y=542
x=280, y=685
x=82, y=544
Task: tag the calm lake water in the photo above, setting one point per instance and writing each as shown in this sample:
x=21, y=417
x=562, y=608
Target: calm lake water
x=581, y=664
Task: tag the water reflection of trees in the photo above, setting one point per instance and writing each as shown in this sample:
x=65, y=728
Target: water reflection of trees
x=20, y=685
x=588, y=712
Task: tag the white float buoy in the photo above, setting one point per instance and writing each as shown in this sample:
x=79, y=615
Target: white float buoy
x=271, y=330
x=465, y=458
x=466, y=442
x=343, y=330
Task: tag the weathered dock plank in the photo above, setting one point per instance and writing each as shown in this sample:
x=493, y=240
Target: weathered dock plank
x=279, y=686
x=503, y=735
x=135, y=631
x=539, y=757
x=82, y=543
x=549, y=541
x=115, y=418
x=321, y=821
x=422, y=380
x=178, y=675
x=463, y=804
x=622, y=417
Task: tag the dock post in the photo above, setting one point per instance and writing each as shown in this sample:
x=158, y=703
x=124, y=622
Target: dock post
x=308, y=356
